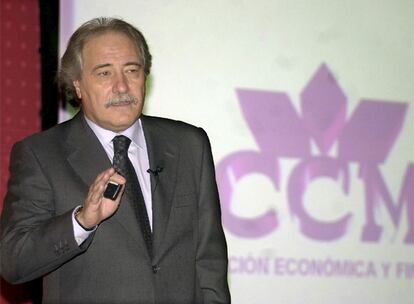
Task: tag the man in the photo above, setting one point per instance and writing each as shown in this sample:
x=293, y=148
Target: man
x=160, y=240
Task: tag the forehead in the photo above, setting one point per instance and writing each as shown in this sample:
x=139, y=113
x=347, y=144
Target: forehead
x=110, y=46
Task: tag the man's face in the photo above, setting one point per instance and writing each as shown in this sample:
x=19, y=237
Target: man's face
x=112, y=82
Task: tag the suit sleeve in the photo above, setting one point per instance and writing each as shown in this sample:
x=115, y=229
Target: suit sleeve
x=34, y=240
x=211, y=263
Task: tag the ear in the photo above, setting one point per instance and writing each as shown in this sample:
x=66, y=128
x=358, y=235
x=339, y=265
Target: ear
x=76, y=84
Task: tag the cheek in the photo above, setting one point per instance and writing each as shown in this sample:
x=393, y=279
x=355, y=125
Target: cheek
x=142, y=88
x=99, y=96
x=138, y=93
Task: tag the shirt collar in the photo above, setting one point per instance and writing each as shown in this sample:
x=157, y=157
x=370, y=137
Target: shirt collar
x=105, y=136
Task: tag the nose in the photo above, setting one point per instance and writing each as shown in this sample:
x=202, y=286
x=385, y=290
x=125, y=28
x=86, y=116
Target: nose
x=120, y=84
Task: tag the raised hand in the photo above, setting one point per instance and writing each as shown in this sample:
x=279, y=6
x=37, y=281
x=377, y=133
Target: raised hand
x=96, y=207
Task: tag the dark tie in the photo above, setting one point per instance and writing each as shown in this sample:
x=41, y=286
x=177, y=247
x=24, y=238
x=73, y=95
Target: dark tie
x=123, y=165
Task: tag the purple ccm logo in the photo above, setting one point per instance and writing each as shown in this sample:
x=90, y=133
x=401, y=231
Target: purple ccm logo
x=366, y=139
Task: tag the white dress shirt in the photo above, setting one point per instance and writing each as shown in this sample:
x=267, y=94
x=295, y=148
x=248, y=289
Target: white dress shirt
x=138, y=155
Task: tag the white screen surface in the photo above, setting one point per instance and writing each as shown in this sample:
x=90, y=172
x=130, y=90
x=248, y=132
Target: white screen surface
x=309, y=109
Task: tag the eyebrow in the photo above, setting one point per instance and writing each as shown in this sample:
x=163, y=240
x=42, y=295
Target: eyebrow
x=104, y=65
x=133, y=63
x=100, y=66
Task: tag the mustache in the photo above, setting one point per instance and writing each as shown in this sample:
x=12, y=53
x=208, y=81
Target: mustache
x=120, y=100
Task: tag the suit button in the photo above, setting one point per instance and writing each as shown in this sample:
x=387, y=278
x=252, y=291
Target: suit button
x=155, y=268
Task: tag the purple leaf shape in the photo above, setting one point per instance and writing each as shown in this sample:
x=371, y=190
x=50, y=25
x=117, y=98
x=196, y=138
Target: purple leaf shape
x=274, y=122
x=324, y=108
x=371, y=131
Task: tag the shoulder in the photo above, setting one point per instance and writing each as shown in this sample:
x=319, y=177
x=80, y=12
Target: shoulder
x=167, y=123
x=174, y=128
x=48, y=139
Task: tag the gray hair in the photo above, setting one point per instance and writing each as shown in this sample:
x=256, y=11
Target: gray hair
x=71, y=62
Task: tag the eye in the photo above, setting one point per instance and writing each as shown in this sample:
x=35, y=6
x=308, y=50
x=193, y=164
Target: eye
x=132, y=70
x=103, y=73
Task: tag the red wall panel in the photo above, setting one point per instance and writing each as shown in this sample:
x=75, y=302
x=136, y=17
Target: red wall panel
x=19, y=95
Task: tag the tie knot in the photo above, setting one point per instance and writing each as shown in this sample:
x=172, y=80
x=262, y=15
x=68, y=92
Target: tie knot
x=121, y=144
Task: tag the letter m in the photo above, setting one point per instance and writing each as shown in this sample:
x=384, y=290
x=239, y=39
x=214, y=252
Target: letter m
x=376, y=191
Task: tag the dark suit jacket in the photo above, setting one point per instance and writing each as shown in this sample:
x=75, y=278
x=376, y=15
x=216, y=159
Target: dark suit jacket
x=50, y=175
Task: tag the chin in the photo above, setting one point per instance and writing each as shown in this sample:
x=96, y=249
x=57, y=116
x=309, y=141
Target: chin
x=126, y=122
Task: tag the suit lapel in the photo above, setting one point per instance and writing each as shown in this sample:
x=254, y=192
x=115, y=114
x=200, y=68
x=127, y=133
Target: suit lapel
x=88, y=159
x=163, y=154
x=86, y=156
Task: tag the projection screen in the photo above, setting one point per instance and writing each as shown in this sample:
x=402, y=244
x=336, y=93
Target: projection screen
x=309, y=109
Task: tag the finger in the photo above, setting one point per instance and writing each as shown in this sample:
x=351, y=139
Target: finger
x=102, y=180
x=97, y=188
x=92, y=200
x=117, y=178
x=105, y=175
